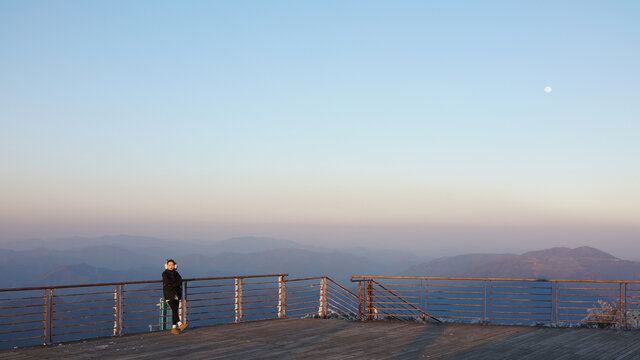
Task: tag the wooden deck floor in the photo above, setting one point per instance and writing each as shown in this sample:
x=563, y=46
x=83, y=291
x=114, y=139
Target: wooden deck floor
x=337, y=339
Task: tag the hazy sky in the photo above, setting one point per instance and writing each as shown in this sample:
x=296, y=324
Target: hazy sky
x=383, y=123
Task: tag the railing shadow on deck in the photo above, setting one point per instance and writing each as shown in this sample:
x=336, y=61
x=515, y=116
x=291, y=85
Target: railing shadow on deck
x=48, y=315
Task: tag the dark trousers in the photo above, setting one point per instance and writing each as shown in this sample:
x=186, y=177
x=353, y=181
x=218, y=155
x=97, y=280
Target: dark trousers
x=173, y=304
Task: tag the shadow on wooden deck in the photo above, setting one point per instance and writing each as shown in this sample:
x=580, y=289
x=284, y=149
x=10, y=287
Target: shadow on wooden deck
x=337, y=339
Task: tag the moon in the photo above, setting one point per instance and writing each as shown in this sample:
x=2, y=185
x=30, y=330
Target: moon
x=547, y=89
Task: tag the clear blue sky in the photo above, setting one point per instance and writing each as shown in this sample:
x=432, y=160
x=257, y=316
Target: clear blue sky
x=341, y=121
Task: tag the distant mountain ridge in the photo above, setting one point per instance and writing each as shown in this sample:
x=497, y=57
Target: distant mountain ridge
x=86, y=274
x=295, y=262
x=250, y=244
x=583, y=263
x=121, y=258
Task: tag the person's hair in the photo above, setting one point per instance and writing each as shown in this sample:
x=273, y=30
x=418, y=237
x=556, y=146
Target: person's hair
x=171, y=260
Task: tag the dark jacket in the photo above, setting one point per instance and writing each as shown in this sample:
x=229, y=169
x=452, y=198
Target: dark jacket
x=171, y=285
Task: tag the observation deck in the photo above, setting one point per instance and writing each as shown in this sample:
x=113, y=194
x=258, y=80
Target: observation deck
x=343, y=339
x=373, y=317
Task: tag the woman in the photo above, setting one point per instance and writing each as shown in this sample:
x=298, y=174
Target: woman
x=172, y=290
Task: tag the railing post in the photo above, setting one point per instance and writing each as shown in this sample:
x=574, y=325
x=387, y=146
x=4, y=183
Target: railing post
x=284, y=298
x=555, y=304
x=46, y=317
x=322, y=306
x=551, y=303
x=489, y=303
x=620, y=318
x=425, y=295
x=626, y=324
x=360, y=300
x=50, y=326
x=121, y=309
x=281, y=297
x=324, y=301
x=370, y=300
x=184, y=303
x=238, y=300
x=116, y=310
x=484, y=288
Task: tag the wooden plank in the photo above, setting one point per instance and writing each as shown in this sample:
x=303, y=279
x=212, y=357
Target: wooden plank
x=336, y=339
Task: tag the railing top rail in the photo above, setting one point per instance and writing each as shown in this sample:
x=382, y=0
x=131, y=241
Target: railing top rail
x=136, y=282
x=234, y=277
x=308, y=278
x=357, y=278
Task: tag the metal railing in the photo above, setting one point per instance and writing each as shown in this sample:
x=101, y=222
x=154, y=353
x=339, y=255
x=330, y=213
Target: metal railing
x=501, y=301
x=320, y=297
x=57, y=314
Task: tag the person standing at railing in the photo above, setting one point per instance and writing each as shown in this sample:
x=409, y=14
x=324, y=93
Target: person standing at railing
x=172, y=291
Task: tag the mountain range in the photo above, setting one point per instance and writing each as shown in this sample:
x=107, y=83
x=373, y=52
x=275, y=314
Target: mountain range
x=123, y=258
x=128, y=258
x=582, y=263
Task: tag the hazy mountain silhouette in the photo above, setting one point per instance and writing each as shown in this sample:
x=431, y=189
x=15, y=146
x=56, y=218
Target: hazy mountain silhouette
x=584, y=263
x=295, y=262
x=387, y=256
x=250, y=244
x=120, y=258
x=23, y=267
x=87, y=274
x=132, y=258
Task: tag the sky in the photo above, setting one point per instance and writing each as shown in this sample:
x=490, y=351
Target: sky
x=406, y=124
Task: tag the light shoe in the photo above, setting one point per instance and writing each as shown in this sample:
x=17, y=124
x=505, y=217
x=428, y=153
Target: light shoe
x=175, y=331
x=183, y=326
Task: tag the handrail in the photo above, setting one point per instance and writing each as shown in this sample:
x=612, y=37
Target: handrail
x=133, y=307
x=365, y=277
x=129, y=306
x=596, y=303
x=135, y=282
